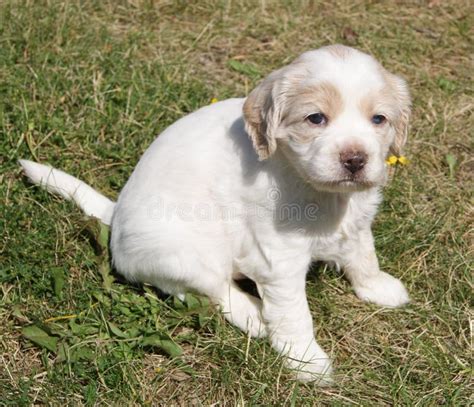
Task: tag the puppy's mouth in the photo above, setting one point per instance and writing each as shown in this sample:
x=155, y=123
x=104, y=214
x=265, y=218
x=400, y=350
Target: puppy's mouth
x=360, y=183
x=348, y=184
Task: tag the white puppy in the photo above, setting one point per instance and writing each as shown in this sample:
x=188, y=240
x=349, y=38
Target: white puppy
x=261, y=187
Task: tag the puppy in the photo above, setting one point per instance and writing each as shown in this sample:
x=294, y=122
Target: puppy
x=260, y=187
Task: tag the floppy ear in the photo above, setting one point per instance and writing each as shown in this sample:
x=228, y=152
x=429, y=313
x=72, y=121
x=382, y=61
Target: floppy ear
x=262, y=114
x=402, y=96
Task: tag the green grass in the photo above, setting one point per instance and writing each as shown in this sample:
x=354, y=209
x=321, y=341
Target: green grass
x=87, y=85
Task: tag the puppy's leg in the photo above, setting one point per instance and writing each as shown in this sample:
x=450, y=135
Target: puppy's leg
x=290, y=327
x=241, y=309
x=361, y=267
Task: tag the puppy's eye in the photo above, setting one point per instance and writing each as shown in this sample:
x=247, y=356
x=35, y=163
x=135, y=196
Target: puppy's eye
x=378, y=119
x=317, y=118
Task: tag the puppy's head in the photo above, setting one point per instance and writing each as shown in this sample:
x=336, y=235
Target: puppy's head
x=335, y=113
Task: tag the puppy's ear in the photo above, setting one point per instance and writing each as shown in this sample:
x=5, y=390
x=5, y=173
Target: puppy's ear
x=402, y=96
x=262, y=114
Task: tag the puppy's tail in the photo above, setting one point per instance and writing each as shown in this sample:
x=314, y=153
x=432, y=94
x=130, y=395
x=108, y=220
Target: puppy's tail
x=58, y=182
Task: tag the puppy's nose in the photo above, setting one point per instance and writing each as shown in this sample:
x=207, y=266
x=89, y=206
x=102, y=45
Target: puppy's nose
x=353, y=161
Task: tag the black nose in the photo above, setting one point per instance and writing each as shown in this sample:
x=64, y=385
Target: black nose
x=353, y=161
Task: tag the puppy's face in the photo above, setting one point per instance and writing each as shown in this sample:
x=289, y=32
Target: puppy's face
x=335, y=114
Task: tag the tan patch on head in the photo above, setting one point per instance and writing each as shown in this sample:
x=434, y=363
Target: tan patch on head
x=262, y=113
x=399, y=90
x=393, y=101
x=323, y=98
x=367, y=106
x=382, y=102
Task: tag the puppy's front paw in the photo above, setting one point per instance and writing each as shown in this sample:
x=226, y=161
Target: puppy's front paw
x=318, y=371
x=384, y=290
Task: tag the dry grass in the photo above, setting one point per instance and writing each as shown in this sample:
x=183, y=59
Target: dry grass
x=87, y=86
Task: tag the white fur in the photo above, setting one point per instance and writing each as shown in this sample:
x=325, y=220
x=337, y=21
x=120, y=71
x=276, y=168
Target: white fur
x=201, y=209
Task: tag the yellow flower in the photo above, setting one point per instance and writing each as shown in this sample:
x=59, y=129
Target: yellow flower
x=214, y=100
x=403, y=160
x=393, y=159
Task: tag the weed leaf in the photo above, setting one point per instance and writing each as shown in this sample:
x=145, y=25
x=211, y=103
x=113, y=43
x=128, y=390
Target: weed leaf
x=451, y=161
x=164, y=343
x=57, y=275
x=74, y=354
x=107, y=278
x=246, y=69
x=82, y=330
x=116, y=330
x=192, y=302
x=103, y=237
x=36, y=335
